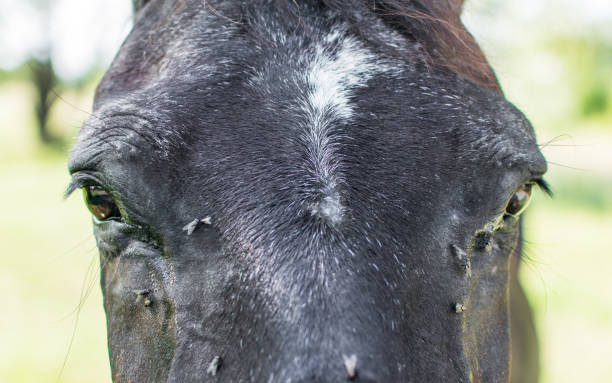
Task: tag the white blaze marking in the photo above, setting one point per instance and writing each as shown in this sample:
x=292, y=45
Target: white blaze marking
x=338, y=68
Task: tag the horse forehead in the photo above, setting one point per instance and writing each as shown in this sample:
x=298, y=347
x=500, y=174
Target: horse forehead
x=324, y=77
x=320, y=77
x=329, y=68
x=317, y=73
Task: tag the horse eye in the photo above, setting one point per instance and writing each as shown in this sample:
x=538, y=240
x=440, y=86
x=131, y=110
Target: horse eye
x=519, y=201
x=100, y=203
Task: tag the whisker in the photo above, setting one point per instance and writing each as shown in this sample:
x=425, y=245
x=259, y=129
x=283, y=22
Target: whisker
x=89, y=280
x=555, y=139
x=569, y=167
x=76, y=320
x=70, y=250
x=537, y=272
x=73, y=106
x=563, y=145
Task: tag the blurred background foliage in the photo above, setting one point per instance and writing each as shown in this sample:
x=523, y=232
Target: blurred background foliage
x=553, y=58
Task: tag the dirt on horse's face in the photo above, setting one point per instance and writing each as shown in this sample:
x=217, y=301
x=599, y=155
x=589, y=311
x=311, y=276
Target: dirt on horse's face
x=278, y=197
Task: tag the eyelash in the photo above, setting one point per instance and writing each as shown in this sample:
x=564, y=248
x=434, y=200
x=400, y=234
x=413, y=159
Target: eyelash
x=544, y=186
x=78, y=182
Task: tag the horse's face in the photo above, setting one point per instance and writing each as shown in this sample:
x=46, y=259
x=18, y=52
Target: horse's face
x=277, y=201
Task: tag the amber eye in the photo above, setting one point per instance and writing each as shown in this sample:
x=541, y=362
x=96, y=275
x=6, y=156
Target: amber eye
x=100, y=203
x=519, y=201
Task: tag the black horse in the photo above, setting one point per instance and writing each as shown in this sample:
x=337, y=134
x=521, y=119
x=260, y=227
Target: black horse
x=305, y=191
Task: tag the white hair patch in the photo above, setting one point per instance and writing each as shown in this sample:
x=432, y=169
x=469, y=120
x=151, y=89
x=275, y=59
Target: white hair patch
x=338, y=67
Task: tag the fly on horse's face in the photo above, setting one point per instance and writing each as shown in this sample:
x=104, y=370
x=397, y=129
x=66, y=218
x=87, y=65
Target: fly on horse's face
x=282, y=193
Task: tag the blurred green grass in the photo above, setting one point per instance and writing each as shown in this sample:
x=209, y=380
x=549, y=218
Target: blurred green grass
x=48, y=257
x=567, y=278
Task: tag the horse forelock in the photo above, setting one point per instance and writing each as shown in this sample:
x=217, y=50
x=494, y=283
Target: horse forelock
x=437, y=25
x=434, y=25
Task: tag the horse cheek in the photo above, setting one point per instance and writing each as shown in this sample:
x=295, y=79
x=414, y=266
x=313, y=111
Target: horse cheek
x=140, y=320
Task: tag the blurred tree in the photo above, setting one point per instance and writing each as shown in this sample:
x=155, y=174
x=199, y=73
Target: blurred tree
x=596, y=98
x=42, y=74
x=589, y=62
x=44, y=80
x=59, y=42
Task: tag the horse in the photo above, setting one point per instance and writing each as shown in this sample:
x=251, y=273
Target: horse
x=306, y=191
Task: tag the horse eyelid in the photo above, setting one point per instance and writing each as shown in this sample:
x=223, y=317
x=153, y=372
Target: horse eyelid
x=79, y=182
